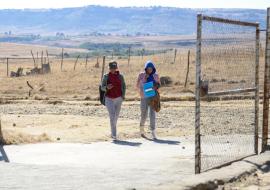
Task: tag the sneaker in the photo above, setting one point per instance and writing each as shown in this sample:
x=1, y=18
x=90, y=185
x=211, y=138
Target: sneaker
x=142, y=131
x=154, y=135
x=143, y=136
x=114, y=137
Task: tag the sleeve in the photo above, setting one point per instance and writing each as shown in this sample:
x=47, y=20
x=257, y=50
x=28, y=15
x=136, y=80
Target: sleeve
x=123, y=87
x=104, y=83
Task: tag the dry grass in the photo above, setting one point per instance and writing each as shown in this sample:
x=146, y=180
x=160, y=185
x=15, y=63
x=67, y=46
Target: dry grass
x=13, y=137
x=83, y=82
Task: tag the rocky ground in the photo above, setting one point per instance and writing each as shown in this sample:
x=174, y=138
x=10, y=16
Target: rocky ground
x=259, y=180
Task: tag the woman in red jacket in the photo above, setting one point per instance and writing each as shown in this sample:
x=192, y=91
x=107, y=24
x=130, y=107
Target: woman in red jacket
x=114, y=85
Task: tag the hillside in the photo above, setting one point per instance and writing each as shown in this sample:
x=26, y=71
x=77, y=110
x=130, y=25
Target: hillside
x=129, y=20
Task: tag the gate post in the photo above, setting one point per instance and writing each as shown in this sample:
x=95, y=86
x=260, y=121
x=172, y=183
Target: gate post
x=257, y=96
x=198, y=85
x=266, y=85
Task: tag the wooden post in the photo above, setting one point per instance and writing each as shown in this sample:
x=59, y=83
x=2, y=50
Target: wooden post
x=198, y=100
x=33, y=58
x=112, y=54
x=44, y=60
x=188, y=62
x=7, y=68
x=76, y=62
x=86, y=61
x=164, y=57
x=103, y=67
x=266, y=86
x=62, y=59
x=48, y=61
x=143, y=53
x=97, y=64
x=175, y=53
x=129, y=55
x=41, y=59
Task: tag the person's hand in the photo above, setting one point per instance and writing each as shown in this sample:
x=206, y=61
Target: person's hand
x=109, y=86
x=146, y=76
x=155, y=87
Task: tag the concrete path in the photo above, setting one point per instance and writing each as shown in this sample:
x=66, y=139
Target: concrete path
x=137, y=164
x=134, y=164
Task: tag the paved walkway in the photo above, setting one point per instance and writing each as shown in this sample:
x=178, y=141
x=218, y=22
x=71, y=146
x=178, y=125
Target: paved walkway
x=137, y=164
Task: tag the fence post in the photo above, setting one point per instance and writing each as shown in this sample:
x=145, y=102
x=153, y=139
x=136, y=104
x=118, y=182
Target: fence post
x=48, y=61
x=266, y=85
x=103, y=66
x=129, y=55
x=257, y=61
x=75, y=64
x=175, y=53
x=7, y=67
x=33, y=58
x=62, y=59
x=164, y=54
x=188, y=63
x=41, y=59
x=198, y=84
x=86, y=61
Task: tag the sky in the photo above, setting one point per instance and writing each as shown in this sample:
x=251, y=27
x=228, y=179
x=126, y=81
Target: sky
x=21, y=4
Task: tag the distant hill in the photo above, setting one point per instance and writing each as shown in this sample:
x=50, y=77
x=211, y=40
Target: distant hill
x=130, y=20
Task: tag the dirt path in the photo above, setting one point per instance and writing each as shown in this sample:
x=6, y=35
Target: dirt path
x=29, y=122
x=36, y=121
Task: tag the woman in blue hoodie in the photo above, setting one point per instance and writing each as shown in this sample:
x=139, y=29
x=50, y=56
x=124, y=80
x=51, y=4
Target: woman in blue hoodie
x=149, y=75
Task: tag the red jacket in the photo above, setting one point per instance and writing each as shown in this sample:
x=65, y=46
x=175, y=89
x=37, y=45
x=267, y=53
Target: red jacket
x=115, y=80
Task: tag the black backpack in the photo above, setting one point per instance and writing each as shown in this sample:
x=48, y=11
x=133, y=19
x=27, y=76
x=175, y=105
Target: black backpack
x=102, y=96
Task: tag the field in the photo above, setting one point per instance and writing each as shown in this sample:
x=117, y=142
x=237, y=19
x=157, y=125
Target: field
x=62, y=112
x=76, y=86
x=83, y=82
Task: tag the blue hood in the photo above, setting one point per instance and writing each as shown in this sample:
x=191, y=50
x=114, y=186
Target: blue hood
x=150, y=64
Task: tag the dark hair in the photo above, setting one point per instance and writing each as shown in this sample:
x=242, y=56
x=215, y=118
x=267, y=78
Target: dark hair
x=113, y=65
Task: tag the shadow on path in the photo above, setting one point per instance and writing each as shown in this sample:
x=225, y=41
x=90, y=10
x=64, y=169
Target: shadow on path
x=264, y=168
x=162, y=141
x=126, y=143
x=3, y=155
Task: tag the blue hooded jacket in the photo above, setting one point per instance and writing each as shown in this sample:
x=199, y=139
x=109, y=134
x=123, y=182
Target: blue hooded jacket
x=151, y=76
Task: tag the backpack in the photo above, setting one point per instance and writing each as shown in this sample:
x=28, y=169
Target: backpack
x=102, y=96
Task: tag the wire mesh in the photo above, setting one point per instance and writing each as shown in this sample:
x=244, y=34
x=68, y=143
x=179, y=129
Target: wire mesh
x=228, y=63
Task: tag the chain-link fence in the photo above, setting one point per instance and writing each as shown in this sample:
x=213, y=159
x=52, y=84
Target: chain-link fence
x=227, y=74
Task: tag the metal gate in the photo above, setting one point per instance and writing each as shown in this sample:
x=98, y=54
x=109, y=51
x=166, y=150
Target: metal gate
x=227, y=91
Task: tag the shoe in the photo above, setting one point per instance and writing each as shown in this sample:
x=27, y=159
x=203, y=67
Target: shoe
x=142, y=131
x=154, y=135
x=143, y=136
x=114, y=138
